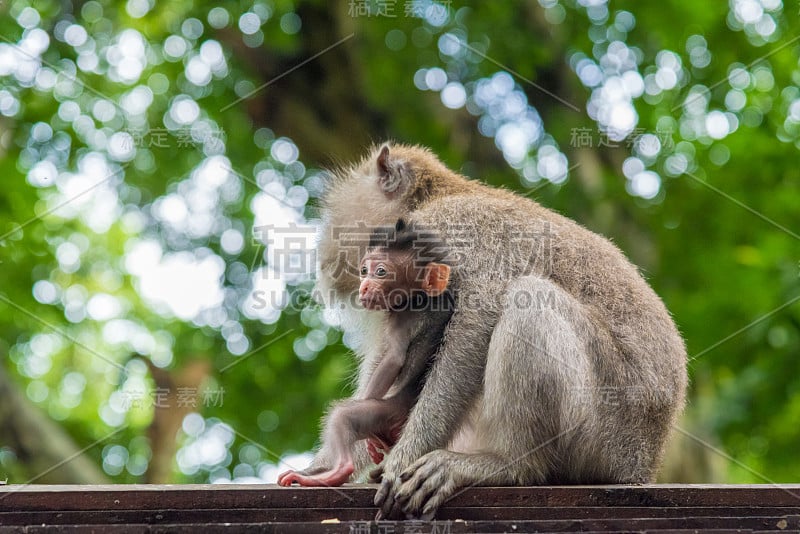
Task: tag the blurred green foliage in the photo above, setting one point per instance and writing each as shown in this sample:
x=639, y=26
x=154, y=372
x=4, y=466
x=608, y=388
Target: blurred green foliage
x=142, y=143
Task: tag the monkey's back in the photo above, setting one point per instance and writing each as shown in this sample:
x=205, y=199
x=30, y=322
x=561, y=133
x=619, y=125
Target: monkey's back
x=586, y=265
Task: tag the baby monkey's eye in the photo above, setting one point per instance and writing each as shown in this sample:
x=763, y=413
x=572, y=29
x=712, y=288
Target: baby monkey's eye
x=364, y=270
x=380, y=271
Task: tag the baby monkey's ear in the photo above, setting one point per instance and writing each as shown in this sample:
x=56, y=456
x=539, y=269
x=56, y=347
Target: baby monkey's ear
x=436, y=277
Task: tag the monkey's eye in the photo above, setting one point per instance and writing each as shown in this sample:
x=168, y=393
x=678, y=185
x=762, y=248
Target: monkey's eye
x=380, y=272
x=363, y=270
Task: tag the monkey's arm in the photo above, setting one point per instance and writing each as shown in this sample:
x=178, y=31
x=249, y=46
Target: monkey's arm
x=387, y=371
x=454, y=381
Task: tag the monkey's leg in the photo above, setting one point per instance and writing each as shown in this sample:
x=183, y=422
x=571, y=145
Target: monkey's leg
x=341, y=433
x=349, y=422
x=326, y=457
x=325, y=461
x=537, y=364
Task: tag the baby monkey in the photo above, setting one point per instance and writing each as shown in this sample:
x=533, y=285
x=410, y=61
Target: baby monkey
x=402, y=274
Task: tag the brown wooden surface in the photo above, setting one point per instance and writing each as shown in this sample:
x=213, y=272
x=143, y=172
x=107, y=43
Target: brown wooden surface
x=268, y=508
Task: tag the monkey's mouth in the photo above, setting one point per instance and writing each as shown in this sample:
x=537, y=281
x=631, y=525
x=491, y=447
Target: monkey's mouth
x=384, y=304
x=374, y=303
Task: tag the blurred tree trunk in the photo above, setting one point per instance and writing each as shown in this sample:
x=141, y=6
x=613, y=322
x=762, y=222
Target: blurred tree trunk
x=49, y=454
x=181, y=389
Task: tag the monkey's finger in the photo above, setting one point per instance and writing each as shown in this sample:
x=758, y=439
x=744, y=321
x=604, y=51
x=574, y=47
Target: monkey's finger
x=285, y=483
x=430, y=495
x=375, y=455
x=388, y=506
x=417, y=487
x=383, y=491
x=419, y=483
x=310, y=471
x=397, y=511
x=385, y=510
x=394, y=513
x=444, y=492
x=285, y=478
x=424, y=466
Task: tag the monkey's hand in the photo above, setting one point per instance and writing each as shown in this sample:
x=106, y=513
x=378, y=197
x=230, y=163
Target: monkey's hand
x=335, y=476
x=389, y=475
x=388, y=507
x=325, y=470
x=288, y=477
x=380, y=445
x=377, y=448
x=420, y=489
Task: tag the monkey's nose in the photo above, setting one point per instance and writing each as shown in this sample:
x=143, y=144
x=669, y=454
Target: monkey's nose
x=362, y=293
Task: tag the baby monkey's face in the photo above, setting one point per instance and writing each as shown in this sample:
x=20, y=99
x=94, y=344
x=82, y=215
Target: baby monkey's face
x=390, y=278
x=384, y=281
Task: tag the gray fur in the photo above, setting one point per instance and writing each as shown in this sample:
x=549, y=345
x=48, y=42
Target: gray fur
x=560, y=364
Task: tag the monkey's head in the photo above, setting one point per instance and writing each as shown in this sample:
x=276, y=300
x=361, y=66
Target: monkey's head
x=398, y=266
x=390, y=182
x=391, y=175
x=412, y=174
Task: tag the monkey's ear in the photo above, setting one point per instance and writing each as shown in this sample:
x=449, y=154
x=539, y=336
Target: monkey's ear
x=400, y=225
x=394, y=176
x=436, y=277
x=383, y=161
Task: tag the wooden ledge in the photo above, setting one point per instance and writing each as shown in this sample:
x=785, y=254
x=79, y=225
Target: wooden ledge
x=269, y=508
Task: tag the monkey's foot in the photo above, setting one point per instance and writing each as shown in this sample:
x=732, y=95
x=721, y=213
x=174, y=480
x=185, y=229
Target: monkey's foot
x=333, y=477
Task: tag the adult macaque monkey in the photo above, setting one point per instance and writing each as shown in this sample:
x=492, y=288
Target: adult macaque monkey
x=559, y=364
x=403, y=275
